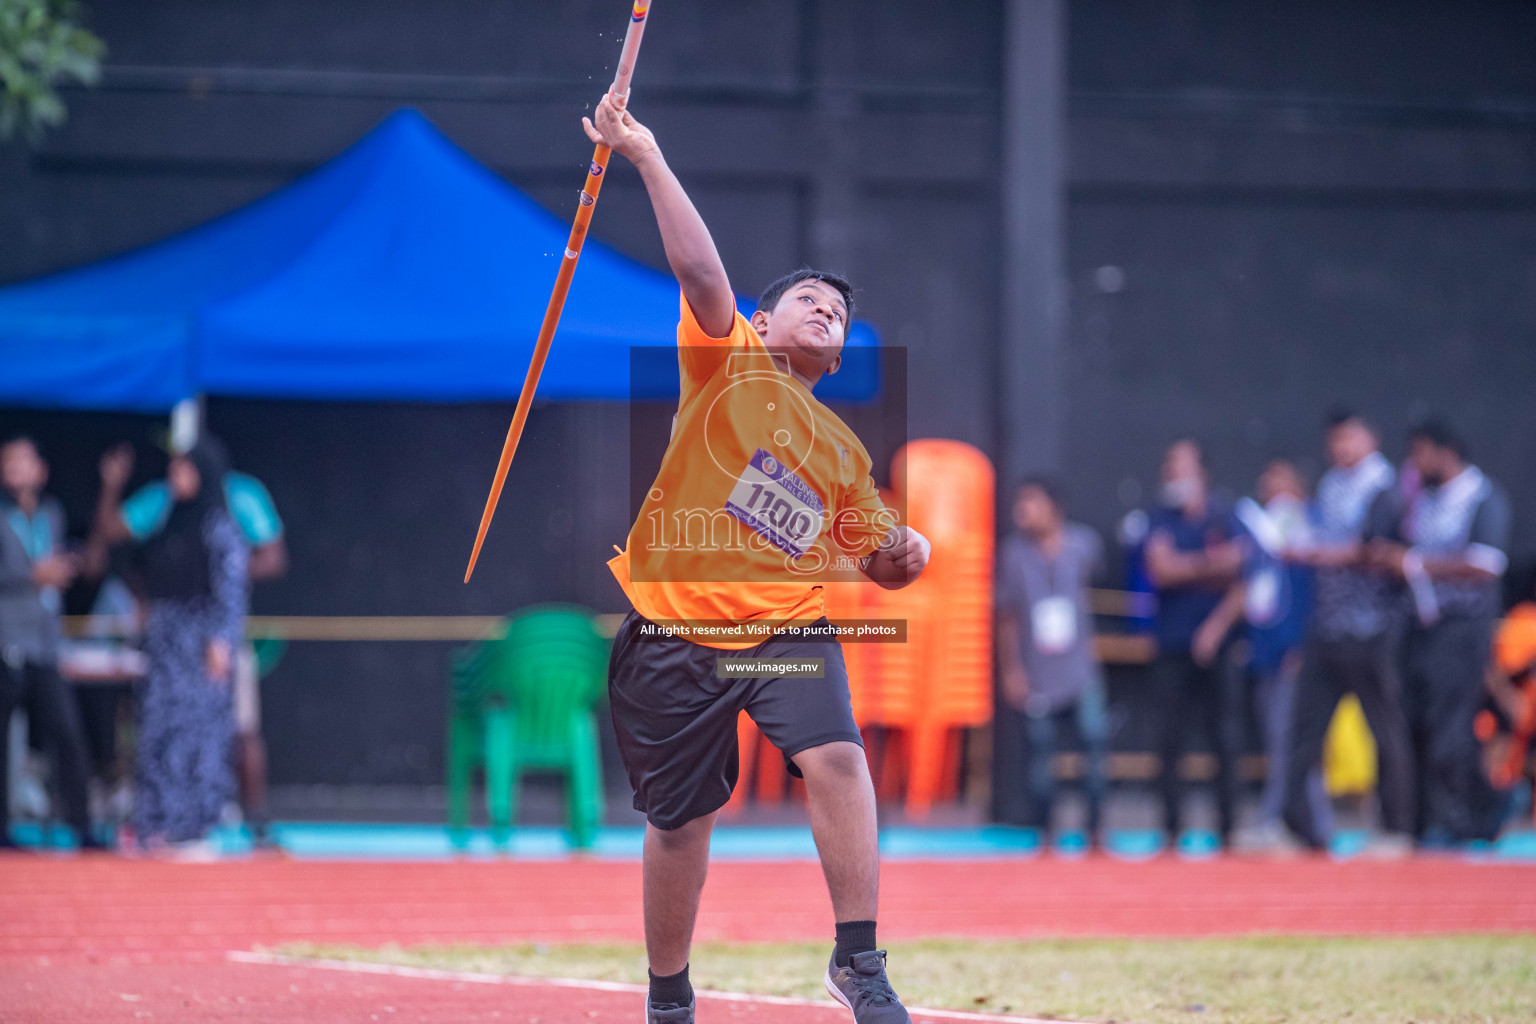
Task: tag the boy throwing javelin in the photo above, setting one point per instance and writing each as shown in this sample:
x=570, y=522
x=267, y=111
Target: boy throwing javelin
x=761, y=491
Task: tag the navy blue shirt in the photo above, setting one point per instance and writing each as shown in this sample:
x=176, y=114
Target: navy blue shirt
x=1180, y=610
x=1274, y=639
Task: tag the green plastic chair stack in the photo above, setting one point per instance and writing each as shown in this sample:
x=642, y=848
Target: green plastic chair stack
x=526, y=701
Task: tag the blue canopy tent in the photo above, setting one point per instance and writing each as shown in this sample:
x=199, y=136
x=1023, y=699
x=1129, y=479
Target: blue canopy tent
x=402, y=270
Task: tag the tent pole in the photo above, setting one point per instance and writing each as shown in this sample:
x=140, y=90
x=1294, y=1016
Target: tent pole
x=186, y=424
x=589, y=192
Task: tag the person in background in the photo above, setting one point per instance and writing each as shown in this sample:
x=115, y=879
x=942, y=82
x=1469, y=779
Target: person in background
x=1350, y=646
x=250, y=504
x=1507, y=726
x=1450, y=550
x=113, y=624
x=194, y=571
x=1050, y=674
x=1274, y=601
x=34, y=572
x=1193, y=557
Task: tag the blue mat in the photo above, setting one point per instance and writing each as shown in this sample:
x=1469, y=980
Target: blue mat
x=325, y=841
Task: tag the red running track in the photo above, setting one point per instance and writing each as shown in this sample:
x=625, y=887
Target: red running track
x=103, y=906
x=231, y=993
x=75, y=931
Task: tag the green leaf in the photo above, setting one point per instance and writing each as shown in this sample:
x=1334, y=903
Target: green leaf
x=43, y=44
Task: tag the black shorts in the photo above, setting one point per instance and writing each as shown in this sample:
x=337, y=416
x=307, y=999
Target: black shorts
x=676, y=719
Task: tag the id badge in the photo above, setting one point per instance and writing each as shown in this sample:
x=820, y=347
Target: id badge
x=1263, y=596
x=1054, y=624
x=773, y=501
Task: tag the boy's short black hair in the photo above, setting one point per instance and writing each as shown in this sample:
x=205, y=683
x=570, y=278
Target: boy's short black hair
x=1340, y=415
x=1439, y=433
x=1047, y=486
x=774, y=292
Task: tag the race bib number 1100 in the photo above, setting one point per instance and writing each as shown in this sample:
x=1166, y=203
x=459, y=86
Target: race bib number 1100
x=776, y=503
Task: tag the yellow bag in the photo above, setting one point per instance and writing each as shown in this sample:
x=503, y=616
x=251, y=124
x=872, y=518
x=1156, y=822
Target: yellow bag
x=1349, y=753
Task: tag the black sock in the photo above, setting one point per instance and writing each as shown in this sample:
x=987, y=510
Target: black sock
x=853, y=937
x=673, y=988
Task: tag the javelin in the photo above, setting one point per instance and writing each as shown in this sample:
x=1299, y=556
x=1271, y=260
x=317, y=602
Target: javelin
x=563, y=278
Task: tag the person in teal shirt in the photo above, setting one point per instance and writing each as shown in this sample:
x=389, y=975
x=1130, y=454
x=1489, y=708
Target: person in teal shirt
x=144, y=514
x=250, y=504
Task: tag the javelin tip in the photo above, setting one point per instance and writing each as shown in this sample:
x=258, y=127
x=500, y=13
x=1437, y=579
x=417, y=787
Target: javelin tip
x=474, y=555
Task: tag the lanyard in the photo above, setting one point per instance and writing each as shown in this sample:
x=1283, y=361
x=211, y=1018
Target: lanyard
x=1053, y=570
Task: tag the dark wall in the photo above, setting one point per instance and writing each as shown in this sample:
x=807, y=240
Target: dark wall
x=1273, y=215
x=383, y=502
x=1302, y=205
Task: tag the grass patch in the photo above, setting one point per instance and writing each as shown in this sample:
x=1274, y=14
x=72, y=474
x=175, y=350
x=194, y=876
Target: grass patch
x=1261, y=980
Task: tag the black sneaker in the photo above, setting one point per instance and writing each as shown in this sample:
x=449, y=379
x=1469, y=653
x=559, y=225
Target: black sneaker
x=668, y=1013
x=863, y=987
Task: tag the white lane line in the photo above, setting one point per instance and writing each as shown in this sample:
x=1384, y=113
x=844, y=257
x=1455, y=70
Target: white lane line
x=435, y=974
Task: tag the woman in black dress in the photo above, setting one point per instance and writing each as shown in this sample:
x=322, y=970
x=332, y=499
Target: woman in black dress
x=195, y=578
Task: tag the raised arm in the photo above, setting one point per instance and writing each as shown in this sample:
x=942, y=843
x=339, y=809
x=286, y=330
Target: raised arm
x=690, y=251
x=108, y=529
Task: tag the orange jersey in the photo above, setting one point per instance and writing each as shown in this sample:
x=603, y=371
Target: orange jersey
x=1514, y=646
x=763, y=494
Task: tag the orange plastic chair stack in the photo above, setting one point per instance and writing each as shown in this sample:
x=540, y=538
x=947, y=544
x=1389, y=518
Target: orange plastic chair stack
x=938, y=682
x=762, y=767
x=949, y=490
x=894, y=690
x=1514, y=652
x=847, y=602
